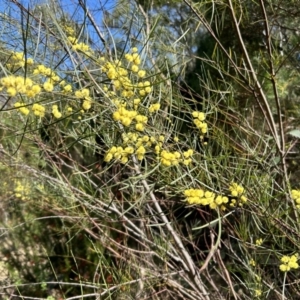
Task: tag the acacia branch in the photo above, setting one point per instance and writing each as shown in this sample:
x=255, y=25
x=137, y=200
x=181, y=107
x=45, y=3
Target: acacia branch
x=257, y=88
x=272, y=72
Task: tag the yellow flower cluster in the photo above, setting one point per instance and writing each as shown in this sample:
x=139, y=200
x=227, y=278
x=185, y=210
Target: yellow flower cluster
x=14, y=85
x=140, y=152
x=141, y=143
x=133, y=138
x=187, y=157
x=18, y=84
x=124, y=116
x=169, y=159
x=127, y=116
x=288, y=263
x=79, y=46
x=199, y=118
x=69, y=29
x=173, y=158
x=134, y=58
x=42, y=70
x=21, y=191
x=133, y=141
x=87, y=103
x=119, y=153
x=38, y=110
x=154, y=107
x=32, y=90
x=127, y=89
x=258, y=242
x=22, y=109
x=50, y=74
x=237, y=191
x=69, y=109
x=141, y=73
x=130, y=137
x=82, y=94
x=136, y=103
x=85, y=95
x=296, y=197
x=48, y=86
x=135, y=61
x=128, y=92
x=119, y=75
x=252, y=262
x=56, y=112
x=67, y=88
x=258, y=293
x=144, y=88
x=199, y=196
x=17, y=59
x=146, y=140
x=141, y=121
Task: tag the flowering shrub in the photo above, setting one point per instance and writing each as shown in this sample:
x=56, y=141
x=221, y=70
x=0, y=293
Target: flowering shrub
x=99, y=145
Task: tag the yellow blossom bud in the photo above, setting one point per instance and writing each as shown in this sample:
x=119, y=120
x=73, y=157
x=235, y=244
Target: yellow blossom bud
x=154, y=107
x=145, y=138
x=141, y=150
x=129, y=150
x=57, y=114
x=136, y=58
x=187, y=162
x=30, y=61
x=117, y=116
x=139, y=127
x=142, y=73
x=108, y=157
x=126, y=121
x=161, y=138
x=38, y=110
x=142, y=93
x=234, y=193
x=258, y=242
x=124, y=159
x=128, y=57
x=148, y=89
x=67, y=88
x=134, y=68
x=87, y=104
x=48, y=86
x=11, y=91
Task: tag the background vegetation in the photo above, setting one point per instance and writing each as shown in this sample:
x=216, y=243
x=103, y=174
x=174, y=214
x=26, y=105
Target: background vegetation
x=149, y=150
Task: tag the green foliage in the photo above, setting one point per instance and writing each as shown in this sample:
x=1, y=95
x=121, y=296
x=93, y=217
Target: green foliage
x=152, y=155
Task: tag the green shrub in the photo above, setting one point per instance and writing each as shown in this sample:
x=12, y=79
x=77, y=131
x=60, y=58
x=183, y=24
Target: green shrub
x=116, y=185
